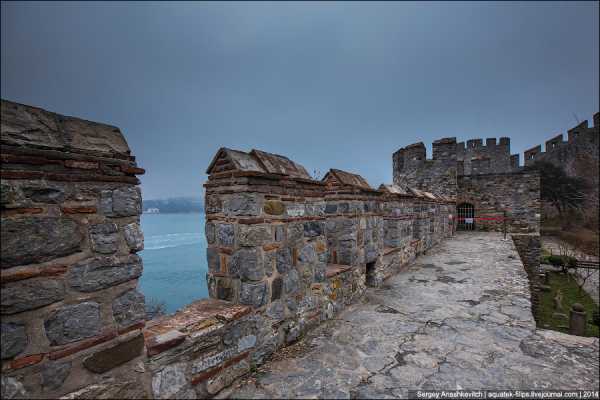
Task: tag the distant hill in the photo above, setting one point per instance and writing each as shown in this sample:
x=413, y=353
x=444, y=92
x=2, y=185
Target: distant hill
x=174, y=205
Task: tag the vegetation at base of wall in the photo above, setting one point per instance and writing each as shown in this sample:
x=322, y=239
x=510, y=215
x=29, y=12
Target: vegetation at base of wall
x=570, y=295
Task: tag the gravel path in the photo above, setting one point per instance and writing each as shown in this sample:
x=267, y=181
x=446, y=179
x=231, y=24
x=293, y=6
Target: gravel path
x=459, y=318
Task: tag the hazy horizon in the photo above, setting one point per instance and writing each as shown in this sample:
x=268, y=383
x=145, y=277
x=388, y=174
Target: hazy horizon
x=329, y=85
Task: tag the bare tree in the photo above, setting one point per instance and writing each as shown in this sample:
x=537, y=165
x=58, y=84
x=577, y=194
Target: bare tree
x=583, y=274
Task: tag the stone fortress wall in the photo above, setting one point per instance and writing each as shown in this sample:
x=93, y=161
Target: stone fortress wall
x=285, y=253
x=71, y=314
x=492, y=179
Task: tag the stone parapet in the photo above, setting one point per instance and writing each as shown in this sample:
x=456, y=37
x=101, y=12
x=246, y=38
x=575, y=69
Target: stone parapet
x=71, y=313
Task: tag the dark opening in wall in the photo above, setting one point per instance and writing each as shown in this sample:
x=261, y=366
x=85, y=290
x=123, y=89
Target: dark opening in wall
x=371, y=279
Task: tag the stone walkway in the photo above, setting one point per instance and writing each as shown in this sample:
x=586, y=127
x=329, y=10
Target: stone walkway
x=459, y=318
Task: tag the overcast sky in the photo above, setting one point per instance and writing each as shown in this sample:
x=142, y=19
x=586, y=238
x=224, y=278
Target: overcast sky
x=330, y=85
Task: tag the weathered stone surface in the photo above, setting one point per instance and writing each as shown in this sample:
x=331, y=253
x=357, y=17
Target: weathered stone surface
x=276, y=310
x=110, y=388
x=213, y=259
x=274, y=207
x=254, y=294
x=210, y=232
x=428, y=343
x=107, y=359
x=254, y=235
x=129, y=308
x=213, y=204
x=225, y=234
x=291, y=281
x=55, y=373
x=308, y=255
x=242, y=204
x=28, y=240
x=170, y=380
x=126, y=202
x=99, y=273
x=104, y=238
x=14, y=339
x=134, y=236
x=247, y=264
x=269, y=262
x=73, y=322
x=52, y=195
x=295, y=232
x=106, y=202
x=227, y=376
x=30, y=294
x=331, y=208
x=320, y=271
x=284, y=260
x=12, y=388
x=276, y=288
x=279, y=233
x=313, y=228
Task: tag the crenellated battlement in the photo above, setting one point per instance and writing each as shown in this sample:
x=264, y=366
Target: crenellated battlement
x=476, y=157
x=580, y=139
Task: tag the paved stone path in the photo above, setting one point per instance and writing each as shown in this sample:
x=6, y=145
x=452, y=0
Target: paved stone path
x=459, y=318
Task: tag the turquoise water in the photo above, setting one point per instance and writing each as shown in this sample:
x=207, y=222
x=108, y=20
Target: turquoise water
x=174, y=258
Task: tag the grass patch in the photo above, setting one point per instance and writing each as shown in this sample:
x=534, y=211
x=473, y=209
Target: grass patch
x=570, y=295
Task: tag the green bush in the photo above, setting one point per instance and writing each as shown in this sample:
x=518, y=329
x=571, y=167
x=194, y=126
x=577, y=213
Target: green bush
x=596, y=318
x=557, y=261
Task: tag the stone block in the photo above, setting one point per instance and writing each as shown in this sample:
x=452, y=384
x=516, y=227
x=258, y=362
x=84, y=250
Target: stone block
x=284, y=260
x=269, y=262
x=50, y=195
x=276, y=288
x=158, y=343
x=254, y=294
x=213, y=259
x=30, y=294
x=313, y=229
x=126, y=202
x=213, y=204
x=104, y=238
x=14, y=339
x=210, y=232
x=320, y=272
x=308, y=255
x=274, y=207
x=134, y=236
x=291, y=281
x=295, y=210
x=276, y=310
x=254, y=235
x=106, y=202
x=227, y=376
x=295, y=232
x=129, y=308
x=225, y=234
x=99, y=273
x=54, y=374
x=170, y=380
x=247, y=264
x=29, y=240
x=242, y=204
x=279, y=233
x=73, y=322
x=12, y=388
x=109, y=358
x=331, y=208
